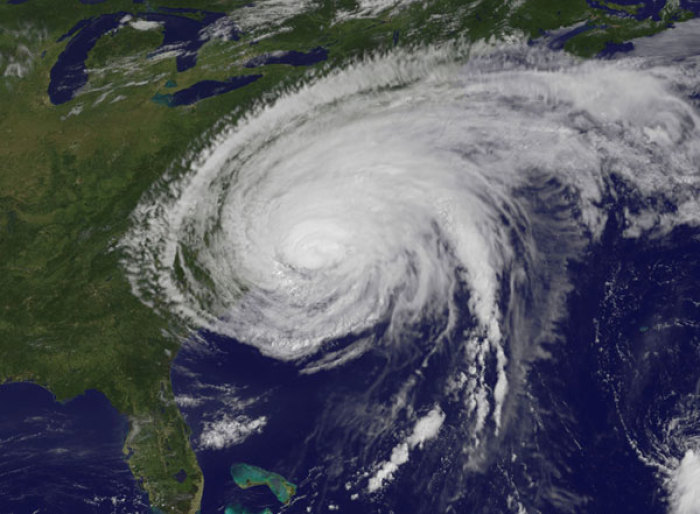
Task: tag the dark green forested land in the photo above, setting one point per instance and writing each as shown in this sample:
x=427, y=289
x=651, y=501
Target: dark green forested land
x=70, y=175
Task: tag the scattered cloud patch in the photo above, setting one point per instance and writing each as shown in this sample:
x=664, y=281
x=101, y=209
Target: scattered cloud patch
x=426, y=428
x=228, y=431
x=145, y=25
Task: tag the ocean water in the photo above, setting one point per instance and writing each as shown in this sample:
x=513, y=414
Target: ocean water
x=63, y=457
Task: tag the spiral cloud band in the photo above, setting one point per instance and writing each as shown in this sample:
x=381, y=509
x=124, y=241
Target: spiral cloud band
x=348, y=213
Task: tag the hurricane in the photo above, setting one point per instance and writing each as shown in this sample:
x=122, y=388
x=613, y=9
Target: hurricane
x=411, y=220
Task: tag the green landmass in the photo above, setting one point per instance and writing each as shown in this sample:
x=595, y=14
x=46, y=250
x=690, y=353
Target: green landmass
x=70, y=175
x=611, y=29
x=537, y=16
x=247, y=475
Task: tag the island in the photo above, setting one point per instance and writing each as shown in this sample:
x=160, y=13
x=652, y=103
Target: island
x=247, y=475
x=82, y=142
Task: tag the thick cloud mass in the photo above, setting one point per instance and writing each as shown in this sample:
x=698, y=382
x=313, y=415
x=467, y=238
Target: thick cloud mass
x=358, y=207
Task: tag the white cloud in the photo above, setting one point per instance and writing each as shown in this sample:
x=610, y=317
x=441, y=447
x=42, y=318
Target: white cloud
x=228, y=431
x=685, y=496
x=145, y=25
x=426, y=428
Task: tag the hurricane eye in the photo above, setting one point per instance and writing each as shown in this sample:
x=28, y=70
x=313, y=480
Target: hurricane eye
x=396, y=243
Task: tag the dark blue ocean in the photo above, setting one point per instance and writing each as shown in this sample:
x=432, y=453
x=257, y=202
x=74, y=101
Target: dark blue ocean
x=630, y=351
x=626, y=361
x=63, y=457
